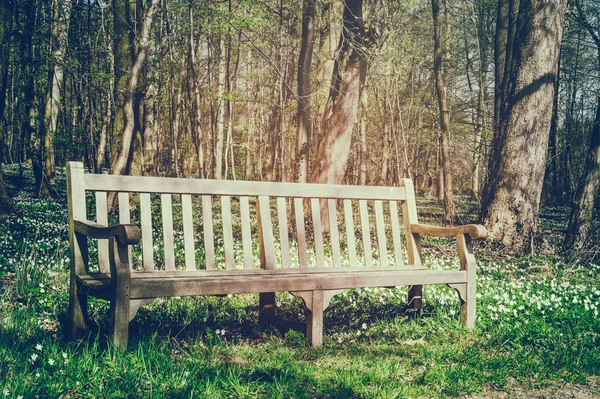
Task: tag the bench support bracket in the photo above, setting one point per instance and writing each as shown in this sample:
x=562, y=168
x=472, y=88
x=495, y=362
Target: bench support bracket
x=316, y=302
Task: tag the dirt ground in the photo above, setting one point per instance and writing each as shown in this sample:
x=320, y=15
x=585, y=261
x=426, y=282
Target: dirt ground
x=516, y=390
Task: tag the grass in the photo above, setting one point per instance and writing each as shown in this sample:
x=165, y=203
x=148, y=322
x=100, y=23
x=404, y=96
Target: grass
x=538, y=323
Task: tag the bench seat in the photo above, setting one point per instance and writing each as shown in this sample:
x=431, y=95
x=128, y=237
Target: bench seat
x=168, y=284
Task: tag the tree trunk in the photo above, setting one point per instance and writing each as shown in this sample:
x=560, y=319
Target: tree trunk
x=303, y=131
x=363, y=153
x=511, y=209
x=580, y=222
x=61, y=12
x=221, y=112
x=121, y=161
x=442, y=90
x=348, y=77
x=196, y=114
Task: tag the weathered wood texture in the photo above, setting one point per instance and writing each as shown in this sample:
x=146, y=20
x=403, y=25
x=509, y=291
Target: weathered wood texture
x=313, y=258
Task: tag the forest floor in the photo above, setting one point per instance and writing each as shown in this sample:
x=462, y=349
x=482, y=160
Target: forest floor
x=537, y=335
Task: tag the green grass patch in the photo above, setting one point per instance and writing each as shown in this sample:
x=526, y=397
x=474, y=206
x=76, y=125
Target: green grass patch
x=538, y=323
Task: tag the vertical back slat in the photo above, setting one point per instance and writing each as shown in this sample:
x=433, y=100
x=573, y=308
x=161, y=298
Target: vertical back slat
x=381, y=239
x=124, y=216
x=301, y=232
x=349, y=221
x=146, y=220
x=102, y=218
x=364, y=220
x=396, y=233
x=409, y=211
x=317, y=228
x=207, y=227
x=227, y=232
x=246, y=232
x=168, y=239
x=188, y=231
x=283, y=232
x=265, y=228
x=333, y=232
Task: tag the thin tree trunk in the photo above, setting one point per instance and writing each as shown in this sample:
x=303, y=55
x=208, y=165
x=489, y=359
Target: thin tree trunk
x=221, y=112
x=196, y=114
x=61, y=12
x=303, y=131
x=363, y=153
x=121, y=161
x=441, y=90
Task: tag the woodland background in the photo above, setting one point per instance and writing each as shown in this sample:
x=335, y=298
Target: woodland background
x=497, y=100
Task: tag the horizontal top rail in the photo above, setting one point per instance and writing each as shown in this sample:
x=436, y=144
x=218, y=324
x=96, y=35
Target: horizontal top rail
x=145, y=184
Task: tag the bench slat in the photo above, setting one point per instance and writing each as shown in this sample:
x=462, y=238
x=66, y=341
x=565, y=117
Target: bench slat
x=396, y=233
x=366, y=234
x=146, y=220
x=187, y=216
x=301, y=232
x=236, y=188
x=162, y=274
x=333, y=232
x=102, y=218
x=315, y=204
x=349, y=220
x=227, y=231
x=283, y=232
x=207, y=227
x=124, y=216
x=381, y=239
x=168, y=239
x=240, y=284
x=267, y=244
x=246, y=232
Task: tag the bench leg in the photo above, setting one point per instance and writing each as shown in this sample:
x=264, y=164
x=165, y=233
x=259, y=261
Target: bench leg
x=266, y=307
x=467, y=263
x=415, y=297
x=78, y=313
x=316, y=302
x=314, y=319
x=120, y=303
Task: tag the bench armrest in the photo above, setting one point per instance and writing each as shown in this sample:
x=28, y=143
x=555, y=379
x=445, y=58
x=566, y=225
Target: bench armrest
x=475, y=231
x=126, y=234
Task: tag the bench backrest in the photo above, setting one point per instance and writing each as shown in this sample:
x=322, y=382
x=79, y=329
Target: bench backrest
x=212, y=221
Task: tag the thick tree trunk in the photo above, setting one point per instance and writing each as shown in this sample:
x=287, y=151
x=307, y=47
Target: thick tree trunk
x=121, y=161
x=303, y=130
x=511, y=209
x=347, y=81
x=61, y=12
x=580, y=222
x=442, y=94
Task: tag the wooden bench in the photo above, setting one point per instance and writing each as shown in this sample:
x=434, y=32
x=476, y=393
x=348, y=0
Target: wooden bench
x=307, y=236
